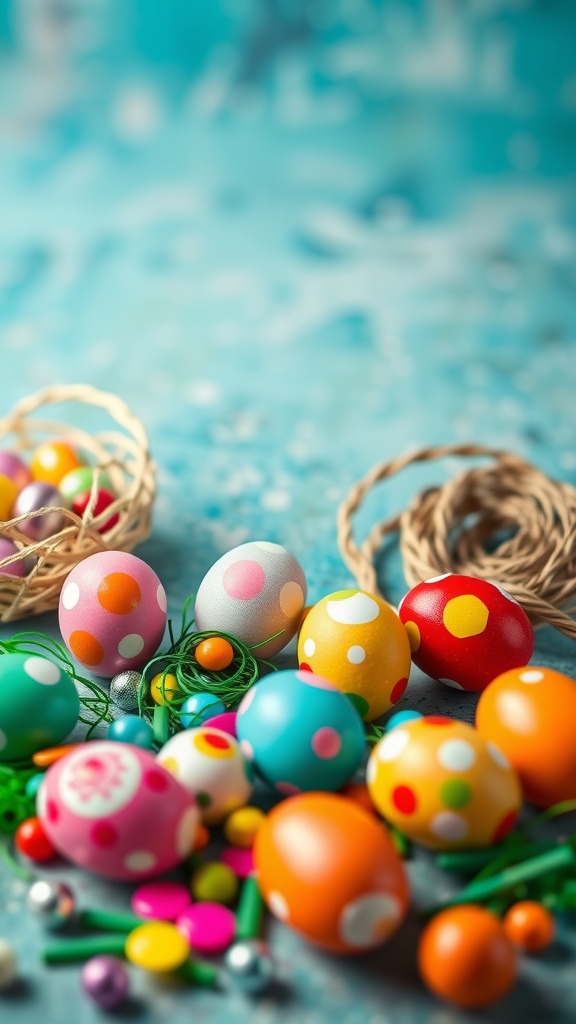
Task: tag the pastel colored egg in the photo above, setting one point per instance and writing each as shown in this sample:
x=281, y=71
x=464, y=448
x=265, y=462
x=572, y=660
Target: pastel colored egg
x=11, y=465
x=34, y=497
x=300, y=732
x=112, y=612
x=530, y=714
x=102, y=501
x=39, y=705
x=79, y=481
x=465, y=631
x=132, y=729
x=8, y=495
x=329, y=870
x=197, y=709
x=210, y=765
x=253, y=592
x=52, y=460
x=357, y=641
x=17, y=568
x=442, y=785
x=112, y=809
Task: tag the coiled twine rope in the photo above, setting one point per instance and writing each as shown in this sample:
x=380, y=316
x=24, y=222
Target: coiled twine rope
x=507, y=522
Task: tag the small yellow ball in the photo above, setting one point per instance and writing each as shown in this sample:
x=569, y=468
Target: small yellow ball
x=241, y=826
x=164, y=688
x=215, y=883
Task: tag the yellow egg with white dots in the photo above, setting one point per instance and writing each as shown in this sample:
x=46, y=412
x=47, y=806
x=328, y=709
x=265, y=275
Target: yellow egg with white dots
x=442, y=785
x=357, y=641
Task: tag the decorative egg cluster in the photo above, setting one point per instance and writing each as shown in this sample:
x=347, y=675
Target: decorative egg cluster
x=257, y=593
x=465, y=631
x=440, y=783
x=113, y=809
x=39, y=705
x=300, y=732
x=357, y=641
x=112, y=612
x=209, y=764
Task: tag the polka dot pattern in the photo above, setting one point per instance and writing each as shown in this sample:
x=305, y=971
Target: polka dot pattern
x=449, y=826
x=356, y=654
x=211, y=766
x=131, y=646
x=42, y=671
x=70, y=596
x=413, y=635
x=455, y=793
x=244, y=579
x=119, y=593
x=369, y=920
x=309, y=647
x=140, y=861
x=291, y=599
x=465, y=616
x=404, y=799
x=326, y=743
x=86, y=648
x=353, y=611
x=398, y=690
x=391, y=746
x=456, y=755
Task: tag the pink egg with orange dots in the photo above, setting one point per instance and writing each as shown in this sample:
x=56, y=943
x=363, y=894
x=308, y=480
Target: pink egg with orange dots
x=112, y=809
x=112, y=612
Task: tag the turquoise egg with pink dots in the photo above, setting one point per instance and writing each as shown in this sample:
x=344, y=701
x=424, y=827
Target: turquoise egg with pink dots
x=300, y=732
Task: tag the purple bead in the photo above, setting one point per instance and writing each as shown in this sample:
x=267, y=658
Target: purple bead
x=35, y=496
x=11, y=465
x=7, y=547
x=105, y=979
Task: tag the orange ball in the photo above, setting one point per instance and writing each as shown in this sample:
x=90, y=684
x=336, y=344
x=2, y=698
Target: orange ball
x=529, y=926
x=214, y=654
x=52, y=460
x=465, y=957
x=530, y=714
x=330, y=871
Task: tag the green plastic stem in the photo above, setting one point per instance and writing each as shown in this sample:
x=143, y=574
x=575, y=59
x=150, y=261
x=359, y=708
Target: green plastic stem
x=199, y=973
x=110, y=921
x=474, y=860
x=82, y=949
x=250, y=910
x=161, y=724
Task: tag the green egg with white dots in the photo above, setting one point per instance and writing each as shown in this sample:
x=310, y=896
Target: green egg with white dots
x=39, y=705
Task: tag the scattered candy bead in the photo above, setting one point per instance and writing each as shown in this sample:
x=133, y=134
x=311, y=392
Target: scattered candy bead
x=215, y=883
x=132, y=729
x=103, y=500
x=12, y=466
x=214, y=654
x=225, y=722
x=8, y=495
x=161, y=901
x=529, y=926
x=53, y=903
x=241, y=861
x=33, y=784
x=105, y=979
x=47, y=756
x=399, y=718
x=52, y=460
x=209, y=927
x=465, y=957
x=8, y=965
x=34, y=497
x=241, y=826
x=124, y=688
x=202, y=838
x=199, y=708
x=31, y=840
x=249, y=966
x=79, y=481
x=163, y=688
x=7, y=548
x=157, y=946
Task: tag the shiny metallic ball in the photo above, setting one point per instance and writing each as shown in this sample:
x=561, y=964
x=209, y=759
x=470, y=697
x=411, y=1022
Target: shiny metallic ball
x=124, y=690
x=105, y=979
x=53, y=903
x=249, y=966
x=34, y=497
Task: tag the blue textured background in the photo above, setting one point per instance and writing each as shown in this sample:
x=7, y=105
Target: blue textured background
x=297, y=236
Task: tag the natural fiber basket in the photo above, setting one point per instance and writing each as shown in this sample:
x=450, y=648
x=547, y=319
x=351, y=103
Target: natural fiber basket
x=123, y=453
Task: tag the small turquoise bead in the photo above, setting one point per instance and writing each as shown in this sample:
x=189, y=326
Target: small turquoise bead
x=132, y=729
x=199, y=708
x=33, y=784
x=399, y=718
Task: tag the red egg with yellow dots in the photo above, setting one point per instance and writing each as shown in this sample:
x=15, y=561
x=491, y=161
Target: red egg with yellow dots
x=465, y=631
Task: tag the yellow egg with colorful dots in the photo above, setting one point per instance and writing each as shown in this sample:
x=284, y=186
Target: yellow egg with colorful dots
x=442, y=785
x=357, y=641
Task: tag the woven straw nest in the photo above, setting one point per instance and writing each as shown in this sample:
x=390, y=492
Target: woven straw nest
x=122, y=452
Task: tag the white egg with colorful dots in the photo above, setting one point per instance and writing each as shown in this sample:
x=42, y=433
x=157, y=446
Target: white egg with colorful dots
x=210, y=765
x=112, y=612
x=254, y=592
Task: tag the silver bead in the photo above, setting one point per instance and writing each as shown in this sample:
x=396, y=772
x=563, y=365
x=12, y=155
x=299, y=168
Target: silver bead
x=52, y=902
x=249, y=966
x=32, y=498
x=124, y=690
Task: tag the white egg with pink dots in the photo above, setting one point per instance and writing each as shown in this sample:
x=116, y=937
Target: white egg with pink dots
x=112, y=612
x=256, y=592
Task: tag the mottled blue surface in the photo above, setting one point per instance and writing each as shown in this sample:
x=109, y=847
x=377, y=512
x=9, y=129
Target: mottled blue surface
x=297, y=237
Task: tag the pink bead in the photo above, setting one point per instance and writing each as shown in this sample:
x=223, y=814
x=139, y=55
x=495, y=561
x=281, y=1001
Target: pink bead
x=240, y=861
x=209, y=927
x=161, y=901
x=226, y=721
x=7, y=547
x=12, y=466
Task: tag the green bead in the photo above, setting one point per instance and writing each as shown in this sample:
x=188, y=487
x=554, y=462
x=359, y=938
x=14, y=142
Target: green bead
x=78, y=481
x=455, y=793
x=39, y=705
x=215, y=883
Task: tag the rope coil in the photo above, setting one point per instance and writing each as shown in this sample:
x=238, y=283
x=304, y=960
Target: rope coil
x=507, y=522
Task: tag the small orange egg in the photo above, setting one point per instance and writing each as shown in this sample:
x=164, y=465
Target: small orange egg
x=529, y=926
x=465, y=957
x=530, y=714
x=214, y=654
x=330, y=871
x=52, y=460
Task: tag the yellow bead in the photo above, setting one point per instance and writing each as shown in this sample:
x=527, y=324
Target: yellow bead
x=8, y=493
x=241, y=827
x=215, y=883
x=164, y=687
x=157, y=946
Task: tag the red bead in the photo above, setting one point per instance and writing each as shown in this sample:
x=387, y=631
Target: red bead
x=104, y=498
x=32, y=841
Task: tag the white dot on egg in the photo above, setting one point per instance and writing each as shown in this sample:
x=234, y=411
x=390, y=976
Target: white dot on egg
x=449, y=826
x=42, y=671
x=456, y=755
x=368, y=919
x=356, y=654
x=70, y=596
x=278, y=906
x=131, y=645
x=140, y=860
x=309, y=647
x=291, y=599
x=161, y=598
x=391, y=746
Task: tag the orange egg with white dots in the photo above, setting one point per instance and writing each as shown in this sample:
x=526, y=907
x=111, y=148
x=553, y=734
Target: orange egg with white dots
x=112, y=612
x=465, y=631
x=443, y=785
x=530, y=713
x=357, y=641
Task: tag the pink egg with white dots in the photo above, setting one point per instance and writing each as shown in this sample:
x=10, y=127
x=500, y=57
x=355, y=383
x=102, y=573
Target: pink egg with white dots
x=112, y=809
x=254, y=592
x=112, y=612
